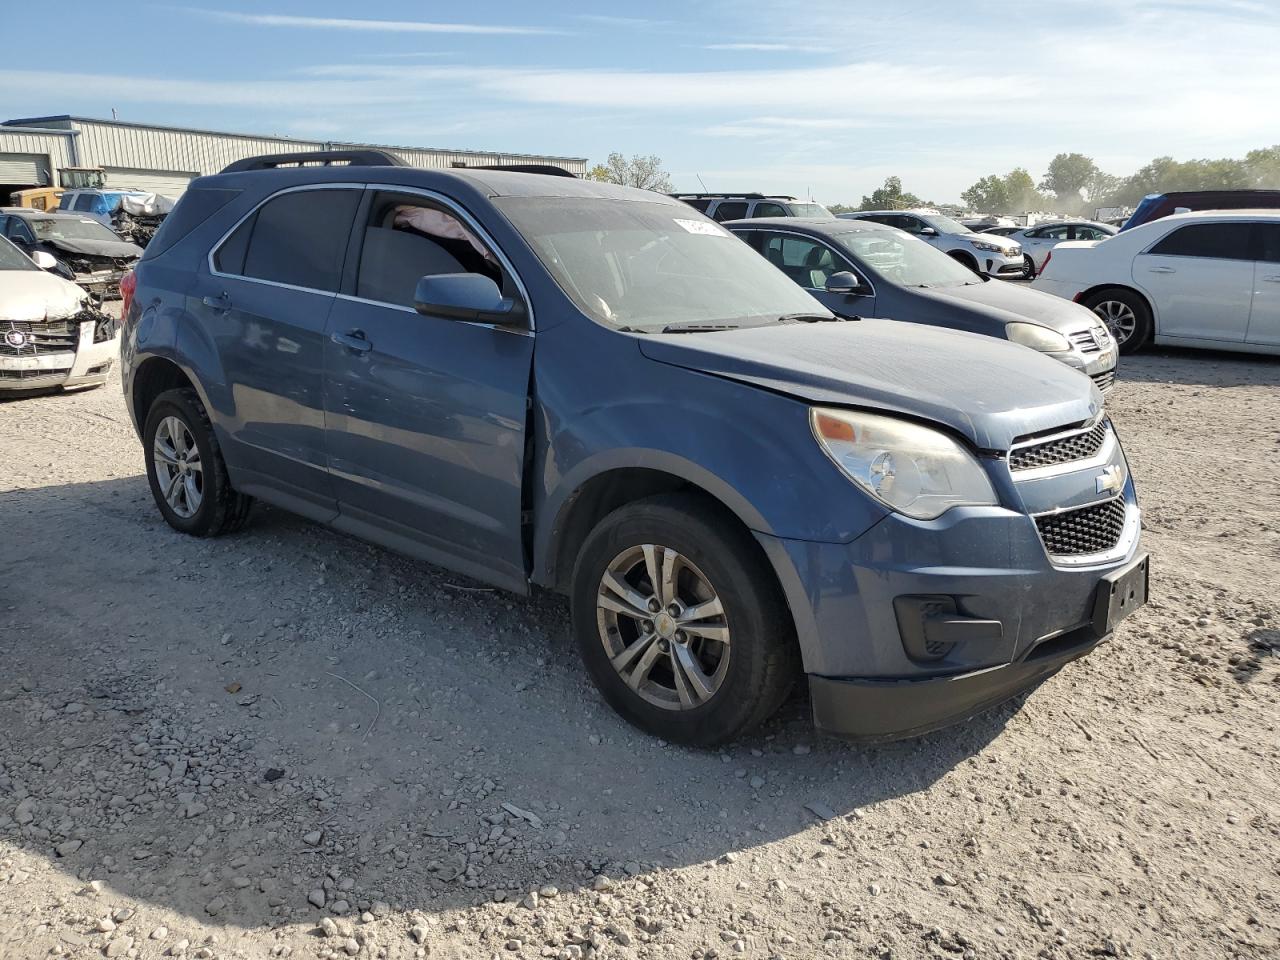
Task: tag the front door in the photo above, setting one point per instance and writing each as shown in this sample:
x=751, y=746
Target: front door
x=426, y=415
x=1264, y=318
x=1200, y=280
x=809, y=262
x=264, y=305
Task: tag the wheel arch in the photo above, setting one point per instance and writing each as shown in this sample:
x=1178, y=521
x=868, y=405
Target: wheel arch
x=965, y=257
x=152, y=377
x=1097, y=288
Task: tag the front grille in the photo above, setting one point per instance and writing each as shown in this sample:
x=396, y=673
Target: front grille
x=1093, y=529
x=1078, y=446
x=1084, y=341
x=1105, y=381
x=22, y=339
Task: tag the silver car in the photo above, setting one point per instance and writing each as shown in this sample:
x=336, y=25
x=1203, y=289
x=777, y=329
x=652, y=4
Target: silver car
x=1037, y=241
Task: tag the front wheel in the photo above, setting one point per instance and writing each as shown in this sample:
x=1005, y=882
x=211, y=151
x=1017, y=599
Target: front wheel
x=1028, y=267
x=185, y=469
x=680, y=621
x=1126, y=315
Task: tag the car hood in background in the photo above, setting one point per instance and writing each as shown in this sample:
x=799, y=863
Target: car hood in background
x=1007, y=302
x=989, y=391
x=116, y=249
x=34, y=295
x=1004, y=243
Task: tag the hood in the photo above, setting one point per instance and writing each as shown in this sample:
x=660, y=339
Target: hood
x=115, y=249
x=1004, y=243
x=1008, y=302
x=989, y=391
x=34, y=295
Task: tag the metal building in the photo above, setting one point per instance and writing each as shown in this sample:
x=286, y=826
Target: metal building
x=165, y=159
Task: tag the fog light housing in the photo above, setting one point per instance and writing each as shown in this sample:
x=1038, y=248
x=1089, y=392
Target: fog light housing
x=932, y=627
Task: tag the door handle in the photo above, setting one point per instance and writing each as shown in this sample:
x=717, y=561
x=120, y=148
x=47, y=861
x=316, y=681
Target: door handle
x=1163, y=270
x=353, y=340
x=220, y=302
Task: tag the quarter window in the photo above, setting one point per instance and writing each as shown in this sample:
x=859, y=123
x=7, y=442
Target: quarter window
x=768, y=210
x=732, y=210
x=84, y=201
x=1268, y=242
x=1211, y=241
x=297, y=238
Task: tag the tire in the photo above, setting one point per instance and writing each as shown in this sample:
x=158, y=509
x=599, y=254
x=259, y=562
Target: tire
x=744, y=677
x=964, y=258
x=1126, y=315
x=206, y=506
x=1028, y=267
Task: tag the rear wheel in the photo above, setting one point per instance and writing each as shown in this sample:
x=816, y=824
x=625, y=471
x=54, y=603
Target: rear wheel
x=680, y=622
x=185, y=469
x=1126, y=315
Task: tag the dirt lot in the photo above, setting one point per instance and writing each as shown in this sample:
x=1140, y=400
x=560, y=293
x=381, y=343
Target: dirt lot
x=287, y=742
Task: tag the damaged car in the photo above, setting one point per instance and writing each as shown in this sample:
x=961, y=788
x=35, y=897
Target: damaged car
x=83, y=249
x=51, y=333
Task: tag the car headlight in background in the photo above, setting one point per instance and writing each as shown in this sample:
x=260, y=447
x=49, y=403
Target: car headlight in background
x=1037, y=337
x=988, y=247
x=914, y=470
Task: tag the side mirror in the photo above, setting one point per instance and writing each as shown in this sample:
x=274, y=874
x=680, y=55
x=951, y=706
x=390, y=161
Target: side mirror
x=843, y=282
x=45, y=261
x=928, y=232
x=465, y=296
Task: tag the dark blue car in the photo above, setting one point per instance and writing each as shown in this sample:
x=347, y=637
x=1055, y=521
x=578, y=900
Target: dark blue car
x=541, y=381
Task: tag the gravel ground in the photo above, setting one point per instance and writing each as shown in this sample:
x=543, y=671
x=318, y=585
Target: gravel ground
x=290, y=743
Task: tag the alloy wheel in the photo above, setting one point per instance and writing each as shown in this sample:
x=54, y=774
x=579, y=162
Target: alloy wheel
x=663, y=627
x=179, y=471
x=1119, y=318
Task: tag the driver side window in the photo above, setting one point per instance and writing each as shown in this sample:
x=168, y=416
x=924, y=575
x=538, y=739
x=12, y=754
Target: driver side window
x=407, y=239
x=807, y=262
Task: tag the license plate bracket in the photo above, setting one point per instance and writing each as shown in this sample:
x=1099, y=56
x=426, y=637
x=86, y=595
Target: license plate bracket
x=1120, y=594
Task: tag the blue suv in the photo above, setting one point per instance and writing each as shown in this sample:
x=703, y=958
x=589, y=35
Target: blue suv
x=545, y=382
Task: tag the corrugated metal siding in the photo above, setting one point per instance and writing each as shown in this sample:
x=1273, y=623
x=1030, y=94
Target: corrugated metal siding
x=24, y=168
x=163, y=182
x=53, y=148
x=113, y=145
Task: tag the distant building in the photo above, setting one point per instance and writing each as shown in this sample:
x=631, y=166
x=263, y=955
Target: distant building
x=165, y=159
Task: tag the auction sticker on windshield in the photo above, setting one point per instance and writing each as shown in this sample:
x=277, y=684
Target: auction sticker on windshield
x=703, y=228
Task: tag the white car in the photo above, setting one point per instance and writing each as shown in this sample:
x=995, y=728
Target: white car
x=983, y=253
x=50, y=334
x=1039, y=240
x=1208, y=279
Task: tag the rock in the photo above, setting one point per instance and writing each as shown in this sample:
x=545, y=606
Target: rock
x=68, y=847
x=351, y=946
x=25, y=812
x=418, y=933
x=119, y=947
x=340, y=907
x=515, y=811
x=549, y=892
x=530, y=902
x=945, y=880
x=215, y=906
x=179, y=948
x=328, y=928
x=757, y=782
x=159, y=933
x=313, y=838
x=105, y=925
x=123, y=914
x=601, y=883
x=316, y=898
x=820, y=810
x=800, y=749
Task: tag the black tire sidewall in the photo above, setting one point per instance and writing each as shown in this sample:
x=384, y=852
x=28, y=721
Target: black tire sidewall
x=177, y=404
x=748, y=594
x=1142, y=326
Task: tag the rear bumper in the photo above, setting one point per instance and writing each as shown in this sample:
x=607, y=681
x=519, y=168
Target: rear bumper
x=875, y=711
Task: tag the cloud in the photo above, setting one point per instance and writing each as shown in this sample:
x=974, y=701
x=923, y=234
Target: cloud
x=633, y=22
x=768, y=47
x=374, y=26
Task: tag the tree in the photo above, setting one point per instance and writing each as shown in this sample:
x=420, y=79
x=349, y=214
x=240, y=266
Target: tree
x=643, y=172
x=1263, y=167
x=1069, y=174
x=1015, y=192
x=891, y=197
x=988, y=195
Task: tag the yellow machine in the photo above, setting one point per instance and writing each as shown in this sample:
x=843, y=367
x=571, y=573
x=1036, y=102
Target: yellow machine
x=37, y=198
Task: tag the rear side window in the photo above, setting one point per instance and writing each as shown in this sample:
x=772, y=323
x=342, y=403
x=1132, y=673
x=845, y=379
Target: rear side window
x=1214, y=241
x=700, y=204
x=768, y=210
x=194, y=207
x=730, y=210
x=1268, y=242
x=297, y=238
x=84, y=201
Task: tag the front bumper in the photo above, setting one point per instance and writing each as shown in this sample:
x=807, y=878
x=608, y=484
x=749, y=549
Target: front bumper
x=1098, y=366
x=1021, y=615
x=999, y=265
x=89, y=364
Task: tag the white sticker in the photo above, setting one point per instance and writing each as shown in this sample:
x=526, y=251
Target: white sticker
x=703, y=228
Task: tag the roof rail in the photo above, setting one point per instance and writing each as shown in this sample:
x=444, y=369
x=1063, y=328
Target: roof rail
x=547, y=169
x=324, y=158
x=731, y=196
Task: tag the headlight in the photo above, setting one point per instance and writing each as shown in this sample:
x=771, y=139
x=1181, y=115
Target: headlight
x=1037, y=337
x=988, y=247
x=909, y=468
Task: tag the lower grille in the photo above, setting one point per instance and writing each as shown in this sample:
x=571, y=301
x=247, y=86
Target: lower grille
x=1105, y=381
x=1077, y=446
x=1096, y=528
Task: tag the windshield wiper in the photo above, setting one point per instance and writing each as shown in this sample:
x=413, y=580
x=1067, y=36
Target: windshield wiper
x=809, y=318
x=698, y=327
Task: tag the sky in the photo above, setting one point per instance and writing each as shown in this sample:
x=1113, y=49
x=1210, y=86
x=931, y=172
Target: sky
x=821, y=98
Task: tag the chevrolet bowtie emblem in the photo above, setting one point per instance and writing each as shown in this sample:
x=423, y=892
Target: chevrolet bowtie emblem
x=1111, y=480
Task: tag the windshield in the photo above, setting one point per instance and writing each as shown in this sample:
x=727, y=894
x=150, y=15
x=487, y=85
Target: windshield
x=645, y=266
x=945, y=224
x=70, y=228
x=901, y=259
x=814, y=211
x=11, y=258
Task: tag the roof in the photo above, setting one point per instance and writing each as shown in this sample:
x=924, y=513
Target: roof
x=72, y=118
x=1259, y=213
x=821, y=225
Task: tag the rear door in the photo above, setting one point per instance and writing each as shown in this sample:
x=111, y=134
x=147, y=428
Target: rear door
x=1199, y=278
x=264, y=300
x=1264, y=318
x=426, y=415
